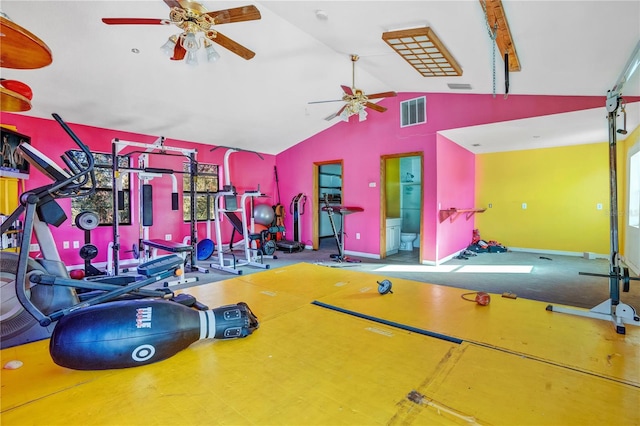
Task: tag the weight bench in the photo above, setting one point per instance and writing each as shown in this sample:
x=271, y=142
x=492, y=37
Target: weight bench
x=179, y=249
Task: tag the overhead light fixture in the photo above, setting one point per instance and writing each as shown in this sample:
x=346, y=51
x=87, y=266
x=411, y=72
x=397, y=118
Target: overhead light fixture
x=197, y=33
x=424, y=51
x=354, y=106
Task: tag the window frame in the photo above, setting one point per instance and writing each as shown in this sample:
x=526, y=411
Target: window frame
x=206, y=173
x=104, y=164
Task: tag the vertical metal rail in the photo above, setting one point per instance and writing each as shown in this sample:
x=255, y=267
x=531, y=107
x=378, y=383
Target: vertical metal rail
x=114, y=196
x=614, y=266
x=193, y=178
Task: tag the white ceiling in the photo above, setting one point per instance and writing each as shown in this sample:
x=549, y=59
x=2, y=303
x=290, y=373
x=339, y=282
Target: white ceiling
x=564, y=47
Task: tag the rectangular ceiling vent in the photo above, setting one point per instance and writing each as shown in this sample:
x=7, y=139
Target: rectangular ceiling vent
x=424, y=51
x=413, y=111
x=459, y=86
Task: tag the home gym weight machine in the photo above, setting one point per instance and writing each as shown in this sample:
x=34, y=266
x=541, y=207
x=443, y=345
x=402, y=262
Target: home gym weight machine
x=226, y=204
x=147, y=248
x=613, y=309
x=38, y=292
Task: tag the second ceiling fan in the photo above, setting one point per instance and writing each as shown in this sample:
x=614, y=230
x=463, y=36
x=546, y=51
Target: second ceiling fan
x=355, y=99
x=193, y=18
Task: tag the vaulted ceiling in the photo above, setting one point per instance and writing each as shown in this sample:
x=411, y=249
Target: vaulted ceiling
x=303, y=53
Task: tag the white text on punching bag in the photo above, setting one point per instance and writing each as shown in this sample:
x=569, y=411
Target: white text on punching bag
x=143, y=317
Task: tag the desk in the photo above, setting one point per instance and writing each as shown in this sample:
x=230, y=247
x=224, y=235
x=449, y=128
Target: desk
x=342, y=211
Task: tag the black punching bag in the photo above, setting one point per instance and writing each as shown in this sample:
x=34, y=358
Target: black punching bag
x=129, y=333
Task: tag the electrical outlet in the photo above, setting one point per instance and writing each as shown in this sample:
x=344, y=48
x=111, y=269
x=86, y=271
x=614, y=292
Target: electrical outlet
x=65, y=244
x=167, y=237
x=524, y=206
x=76, y=244
x=490, y=205
x=357, y=235
x=34, y=247
x=599, y=206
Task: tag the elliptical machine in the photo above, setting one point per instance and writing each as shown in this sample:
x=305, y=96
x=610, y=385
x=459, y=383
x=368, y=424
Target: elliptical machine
x=91, y=333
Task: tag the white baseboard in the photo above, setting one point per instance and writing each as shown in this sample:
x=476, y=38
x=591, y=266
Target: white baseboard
x=359, y=254
x=587, y=255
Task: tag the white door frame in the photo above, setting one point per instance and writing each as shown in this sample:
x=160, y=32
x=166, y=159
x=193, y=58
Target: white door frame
x=632, y=233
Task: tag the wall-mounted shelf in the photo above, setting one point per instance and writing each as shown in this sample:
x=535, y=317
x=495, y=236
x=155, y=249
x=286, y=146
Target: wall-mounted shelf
x=13, y=174
x=453, y=213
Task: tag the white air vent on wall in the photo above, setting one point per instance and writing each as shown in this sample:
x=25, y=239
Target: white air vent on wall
x=413, y=111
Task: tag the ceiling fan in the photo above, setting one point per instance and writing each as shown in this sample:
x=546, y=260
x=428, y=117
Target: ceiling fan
x=194, y=20
x=355, y=99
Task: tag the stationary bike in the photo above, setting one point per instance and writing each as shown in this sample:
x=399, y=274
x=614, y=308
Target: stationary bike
x=109, y=325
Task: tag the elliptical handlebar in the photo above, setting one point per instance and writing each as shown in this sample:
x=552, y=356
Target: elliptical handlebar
x=81, y=173
x=79, y=177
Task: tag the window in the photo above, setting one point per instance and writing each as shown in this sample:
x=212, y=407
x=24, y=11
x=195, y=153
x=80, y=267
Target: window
x=206, y=186
x=101, y=201
x=634, y=190
x=413, y=111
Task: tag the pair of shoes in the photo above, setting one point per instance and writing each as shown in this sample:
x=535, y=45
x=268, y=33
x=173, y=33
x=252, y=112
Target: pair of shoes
x=461, y=257
x=469, y=253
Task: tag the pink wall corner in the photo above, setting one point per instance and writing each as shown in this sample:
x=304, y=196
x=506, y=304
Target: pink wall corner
x=456, y=189
x=247, y=171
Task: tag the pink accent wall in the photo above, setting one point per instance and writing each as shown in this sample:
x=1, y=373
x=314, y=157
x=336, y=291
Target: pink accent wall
x=456, y=168
x=448, y=175
x=247, y=171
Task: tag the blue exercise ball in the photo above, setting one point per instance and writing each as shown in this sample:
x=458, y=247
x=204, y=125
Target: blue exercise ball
x=263, y=214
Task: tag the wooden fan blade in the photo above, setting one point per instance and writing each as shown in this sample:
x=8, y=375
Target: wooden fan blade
x=179, y=52
x=236, y=14
x=135, y=21
x=375, y=107
x=335, y=114
x=382, y=95
x=172, y=3
x=347, y=90
x=324, y=102
x=233, y=46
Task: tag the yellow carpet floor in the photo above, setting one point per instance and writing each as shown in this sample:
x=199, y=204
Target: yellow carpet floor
x=331, y=350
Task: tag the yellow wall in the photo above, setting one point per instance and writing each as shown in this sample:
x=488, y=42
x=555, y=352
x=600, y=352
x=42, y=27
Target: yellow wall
x=9, y=197
x=393, y=186
x=561, y=186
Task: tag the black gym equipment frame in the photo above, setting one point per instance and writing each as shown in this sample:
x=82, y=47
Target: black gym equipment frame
x=162, y=149
x=51, y=294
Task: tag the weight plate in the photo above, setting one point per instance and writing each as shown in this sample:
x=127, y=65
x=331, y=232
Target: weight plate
x=269, y=247
x=88, y=251
x=87, y=220
x=205, y=249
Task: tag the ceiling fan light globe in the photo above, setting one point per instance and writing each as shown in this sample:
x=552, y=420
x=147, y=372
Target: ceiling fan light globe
x=212, y=54
x=362, y=115
x=191, y=58
x=169, y=46
x=190, y=43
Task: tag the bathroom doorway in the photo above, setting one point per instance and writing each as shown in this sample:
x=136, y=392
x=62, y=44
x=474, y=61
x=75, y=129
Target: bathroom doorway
x=401, y=201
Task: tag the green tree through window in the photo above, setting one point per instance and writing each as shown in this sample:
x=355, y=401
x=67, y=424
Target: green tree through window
x=206, y=185
x=101, y=201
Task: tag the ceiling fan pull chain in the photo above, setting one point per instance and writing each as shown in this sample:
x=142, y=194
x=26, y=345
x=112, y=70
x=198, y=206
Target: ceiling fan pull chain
x=493, y=34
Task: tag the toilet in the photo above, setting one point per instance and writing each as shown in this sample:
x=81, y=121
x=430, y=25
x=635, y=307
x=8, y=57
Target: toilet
x=406, y=241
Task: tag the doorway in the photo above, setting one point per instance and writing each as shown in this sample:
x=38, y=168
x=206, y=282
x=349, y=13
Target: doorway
x=327, y=188
x=401, y=201
x=632, y=222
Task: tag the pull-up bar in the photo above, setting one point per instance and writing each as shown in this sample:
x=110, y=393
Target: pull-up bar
x=231, y=150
